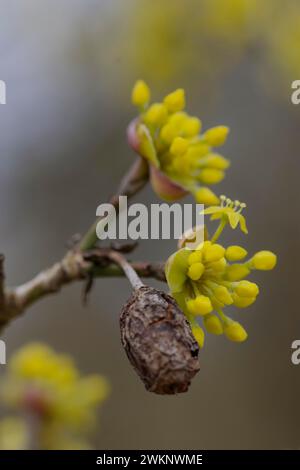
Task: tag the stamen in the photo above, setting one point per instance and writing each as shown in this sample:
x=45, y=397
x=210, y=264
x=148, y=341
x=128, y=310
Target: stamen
x=242, y=206
x=223, y=199
x=236, y=204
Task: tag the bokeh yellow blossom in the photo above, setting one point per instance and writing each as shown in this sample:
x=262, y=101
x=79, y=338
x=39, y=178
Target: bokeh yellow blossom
x=48, y=386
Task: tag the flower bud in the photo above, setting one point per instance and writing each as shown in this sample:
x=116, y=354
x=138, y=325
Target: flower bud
x=195, y=271
x=132, y=136
x=179, y=146
x=158, y=341
x=195, y=257
x=216, y=136
x=191, y=127
x=236, y=272
x=198, y=335
x=213, y=324
x=211, y=176
x=214, y=160
x=264, y=260
x=156, y=115
x=247, y=289
x=242, y=302
x=201, y=305
x=206, y=196
x=235, y=253
x=235, y=332
x=222, y=294
x=164, y=187
x=140, y=94
x=175, y=101
x=214, y=252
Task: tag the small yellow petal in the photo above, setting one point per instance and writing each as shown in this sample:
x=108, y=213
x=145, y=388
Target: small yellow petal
x=243, y=225
x=233, y=218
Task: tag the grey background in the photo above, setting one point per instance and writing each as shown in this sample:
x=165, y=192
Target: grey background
x=69, y=67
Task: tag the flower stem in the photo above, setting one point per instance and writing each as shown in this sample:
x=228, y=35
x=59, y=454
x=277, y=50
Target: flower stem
x=219, y=230
x=223, y=317
x=128, y=270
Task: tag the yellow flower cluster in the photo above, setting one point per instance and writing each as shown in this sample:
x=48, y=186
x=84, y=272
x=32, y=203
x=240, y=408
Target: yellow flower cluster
x=48, y=385
x=205, y=280
x=182, y=158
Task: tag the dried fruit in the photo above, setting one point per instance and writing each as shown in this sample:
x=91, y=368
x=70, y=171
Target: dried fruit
x=158, y=341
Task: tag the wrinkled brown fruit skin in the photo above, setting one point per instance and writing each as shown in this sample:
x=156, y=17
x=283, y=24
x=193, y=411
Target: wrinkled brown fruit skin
x=158, y=341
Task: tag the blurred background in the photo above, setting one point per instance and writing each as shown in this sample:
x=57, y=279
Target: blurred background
x=69, y=66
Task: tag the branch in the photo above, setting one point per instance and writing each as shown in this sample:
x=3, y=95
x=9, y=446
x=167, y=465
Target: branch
x=75, y=266
x=127, y=269
x=133, y=181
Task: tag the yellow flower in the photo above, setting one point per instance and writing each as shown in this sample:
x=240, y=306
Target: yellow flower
x=230, y=211
x=204, y=281
x=180, y=157
x=48, y=384
x=37, y=361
